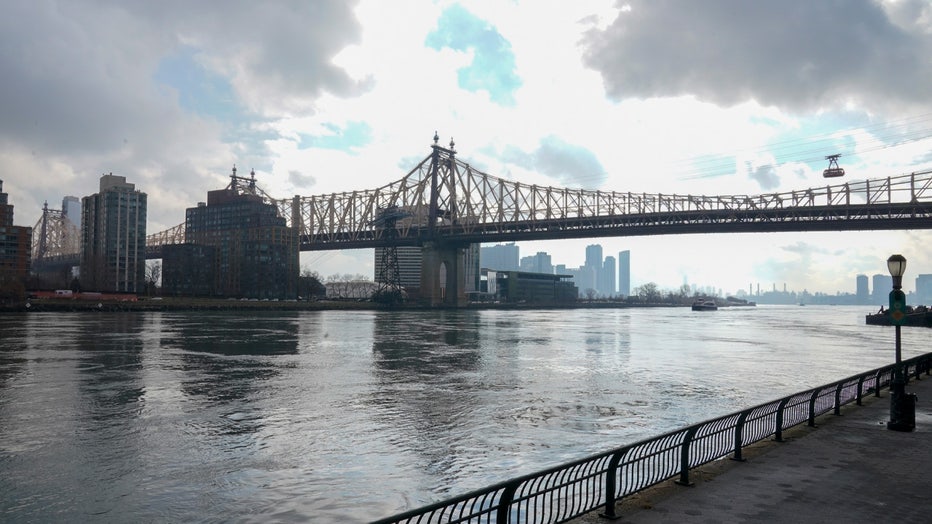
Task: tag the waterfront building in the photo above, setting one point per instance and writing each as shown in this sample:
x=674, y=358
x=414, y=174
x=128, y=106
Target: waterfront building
x=527, y=287
x=113, y=237
x=882, y=285
x=189, y=270
x=624, y=273
x=502, y=257
x=252, y=252
x=410, y=260
x=15, y=251
x=924, y=290
x=409, y=266
x=863, y=293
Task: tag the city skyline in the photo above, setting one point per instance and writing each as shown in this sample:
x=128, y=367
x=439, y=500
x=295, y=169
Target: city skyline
x=751, y=288
x=326, y=97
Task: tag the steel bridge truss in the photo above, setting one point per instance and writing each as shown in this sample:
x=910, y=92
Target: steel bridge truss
x=55, y=236
x=447, y=199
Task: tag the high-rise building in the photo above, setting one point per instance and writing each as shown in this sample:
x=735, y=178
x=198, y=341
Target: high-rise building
x=501, y=257
x=607, y=277
x=410, y=260
x=863, y=293
x=409, y=265
x=71, y=208
x=15, y=252
x=594, y=255
x=251, y=250
x=881, y=285
x=539, y=263
x=624, y=273
x=924, y=290
x=113, y=238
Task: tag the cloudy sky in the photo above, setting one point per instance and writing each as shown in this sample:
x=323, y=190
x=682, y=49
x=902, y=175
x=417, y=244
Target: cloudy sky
x=658, y=96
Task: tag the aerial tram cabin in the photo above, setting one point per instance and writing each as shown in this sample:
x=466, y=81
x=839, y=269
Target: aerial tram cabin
x=833, y=169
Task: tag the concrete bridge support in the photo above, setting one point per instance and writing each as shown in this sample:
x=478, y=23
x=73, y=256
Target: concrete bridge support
x=443, y=274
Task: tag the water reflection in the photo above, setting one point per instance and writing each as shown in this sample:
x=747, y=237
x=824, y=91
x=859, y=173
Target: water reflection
x=13, y=334
x=228, y=359
x=110, y=362
x=427, y=365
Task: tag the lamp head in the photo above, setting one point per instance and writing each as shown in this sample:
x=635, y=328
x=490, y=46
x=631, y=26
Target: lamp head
x=897, y=266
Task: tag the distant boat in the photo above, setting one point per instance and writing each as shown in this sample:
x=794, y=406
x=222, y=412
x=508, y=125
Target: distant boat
x=704, y=305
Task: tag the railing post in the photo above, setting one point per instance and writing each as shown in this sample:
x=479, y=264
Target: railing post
x=812, y=399
x=860, y=389
x=684, y=456
x=611, y=485
x=877, y=384
x=504, y=503
x=838, y=399
x=739, y=433
x=778, y=430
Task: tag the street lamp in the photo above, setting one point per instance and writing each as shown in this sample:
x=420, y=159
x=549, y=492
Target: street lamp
x=902, y=406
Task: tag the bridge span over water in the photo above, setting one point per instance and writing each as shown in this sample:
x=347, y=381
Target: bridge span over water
x=446, y=199
x=444, y=204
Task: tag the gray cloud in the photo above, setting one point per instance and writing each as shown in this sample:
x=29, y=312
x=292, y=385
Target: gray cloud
x=795, y=54
x=765, y=176
x=79, y=95
x=567, y=163
x=301, y=181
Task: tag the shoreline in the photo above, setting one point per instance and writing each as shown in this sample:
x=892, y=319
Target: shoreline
x=196, y=304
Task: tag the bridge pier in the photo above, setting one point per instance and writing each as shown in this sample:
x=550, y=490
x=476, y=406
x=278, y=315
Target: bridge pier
x=443, y=274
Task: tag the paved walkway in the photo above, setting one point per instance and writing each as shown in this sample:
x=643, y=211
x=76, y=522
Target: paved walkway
x=849, y=468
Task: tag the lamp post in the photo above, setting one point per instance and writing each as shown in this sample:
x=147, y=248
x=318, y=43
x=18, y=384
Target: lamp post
x=902, y=406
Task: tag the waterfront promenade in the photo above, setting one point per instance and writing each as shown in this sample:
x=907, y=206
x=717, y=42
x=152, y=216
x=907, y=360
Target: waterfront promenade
x=849, y=468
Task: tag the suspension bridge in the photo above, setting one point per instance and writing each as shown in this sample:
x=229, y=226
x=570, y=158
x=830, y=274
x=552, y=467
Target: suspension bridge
x=444, y=204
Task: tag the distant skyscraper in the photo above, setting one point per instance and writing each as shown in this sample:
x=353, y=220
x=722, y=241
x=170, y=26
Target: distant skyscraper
x=71, y=208
x=607, y=283
x=113, y=240
x=863, y=293
x=882, y=286
x=924, y=290
x=594, y=255
x=501, y=257
x=539, y=263
x=624, y=273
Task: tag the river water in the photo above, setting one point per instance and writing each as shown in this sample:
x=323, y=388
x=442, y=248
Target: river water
x=349, y=416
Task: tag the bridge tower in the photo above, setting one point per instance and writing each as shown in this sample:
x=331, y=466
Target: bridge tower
x=389, y=278
x=443, y=263
x=54, y=235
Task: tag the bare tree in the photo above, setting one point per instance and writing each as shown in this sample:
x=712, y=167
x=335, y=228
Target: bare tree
x=649, y=292
x=153, y=275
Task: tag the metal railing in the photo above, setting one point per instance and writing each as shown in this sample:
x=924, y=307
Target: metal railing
x=570, y=490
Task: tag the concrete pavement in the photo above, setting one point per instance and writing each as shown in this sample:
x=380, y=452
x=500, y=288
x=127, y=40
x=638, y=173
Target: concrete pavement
x=849, y=468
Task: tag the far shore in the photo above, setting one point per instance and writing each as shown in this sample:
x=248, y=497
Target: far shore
x=206, y=304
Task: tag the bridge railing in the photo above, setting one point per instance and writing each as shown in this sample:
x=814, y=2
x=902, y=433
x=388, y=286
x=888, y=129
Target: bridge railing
x=600, y=481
